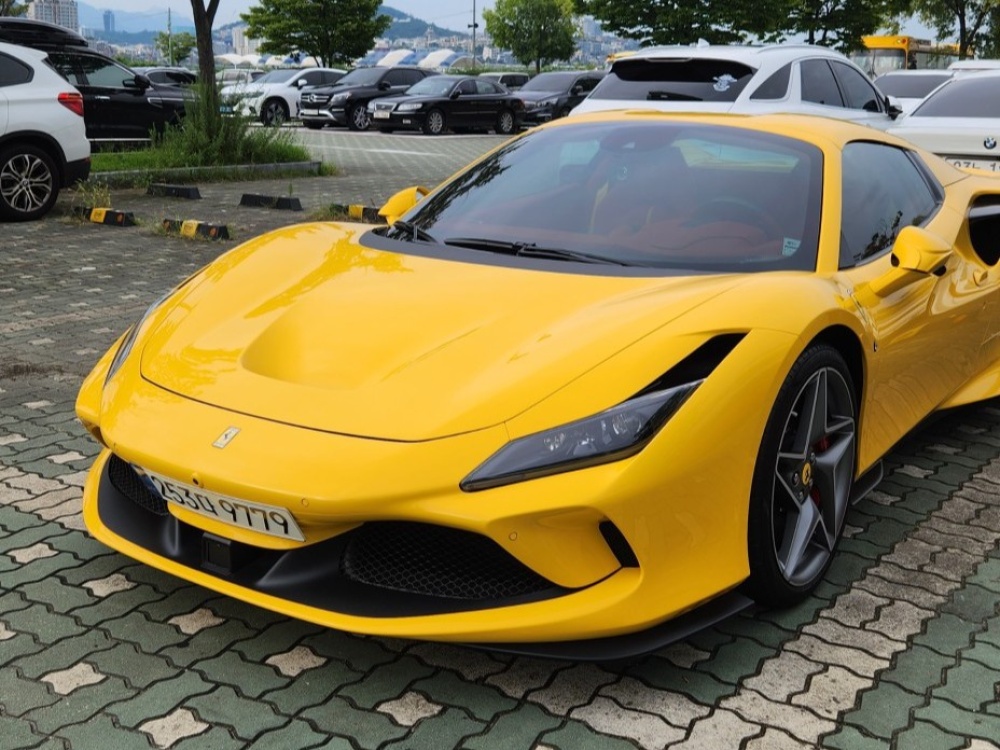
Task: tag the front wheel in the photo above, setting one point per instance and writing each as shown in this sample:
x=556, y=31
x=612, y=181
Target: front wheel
x=434, y=124
x=802, y=479
x=29, y=184
x=505, y=122
x=357, y=117
x=274, y=112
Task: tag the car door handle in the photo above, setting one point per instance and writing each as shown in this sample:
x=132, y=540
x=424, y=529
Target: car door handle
x=103, y=98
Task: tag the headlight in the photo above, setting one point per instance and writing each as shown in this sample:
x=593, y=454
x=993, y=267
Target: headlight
x=409, y=107
x=614, y=434
x=547, y=102
x=129, y=341
x=340, y=97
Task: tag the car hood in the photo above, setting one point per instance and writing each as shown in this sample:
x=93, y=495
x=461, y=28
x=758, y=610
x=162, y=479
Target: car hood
x=246, y=89
x=537, y=96
x=308, y=326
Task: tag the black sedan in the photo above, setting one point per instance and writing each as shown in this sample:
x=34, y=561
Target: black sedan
x=551, y=95
x=439, y=103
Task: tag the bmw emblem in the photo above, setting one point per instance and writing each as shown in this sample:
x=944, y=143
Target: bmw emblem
x=990, y=143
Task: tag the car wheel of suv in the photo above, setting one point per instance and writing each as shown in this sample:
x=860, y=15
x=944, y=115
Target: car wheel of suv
x=28, y=183
x=434, y=124
x=357, y=117
x=505, y=122
x=274, y=112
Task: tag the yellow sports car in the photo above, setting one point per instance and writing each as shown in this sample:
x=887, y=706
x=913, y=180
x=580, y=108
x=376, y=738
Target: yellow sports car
x=599, y=388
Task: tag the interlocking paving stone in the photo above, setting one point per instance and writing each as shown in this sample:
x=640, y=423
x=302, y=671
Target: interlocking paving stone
x=248, y=718
x=17, y=733
x=137, y=668
x=480, y=701
x=359, y=653
x=64, y=653
x=698, y=686
x=167, y=730
x=157, y=698
x=295, y=662
x=645, y=729
x=884, y=710
x=298, y=734
x=924, y=736
x=207, y=643
x=275, y=638
x=65, y=681
x=514, y=730
x=963, y=723
x=339, y=718
x=852, y=738
x=312, y=688
x=101, y=732
x=386, y=681
x=228, y=668
x=80, y=705
x=918, y=665
x=525, y=675
x=576, y=735
x=444, y=730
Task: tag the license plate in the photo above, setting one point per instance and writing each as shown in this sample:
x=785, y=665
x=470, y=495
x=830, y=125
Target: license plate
x=989, y=166
x=226, y=109
x=381, y=114
x=267, y=519
x=310, y=112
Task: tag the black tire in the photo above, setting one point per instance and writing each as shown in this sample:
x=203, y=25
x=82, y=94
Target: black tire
x=29, y=183
x=274, y=112
x=357, y=117
x=505, y=122
x=435, y=123
x=802, y=479
x=312, y=125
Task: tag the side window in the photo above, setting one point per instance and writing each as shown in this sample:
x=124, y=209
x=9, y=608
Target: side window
x=884, y=189
x=312, y=78
x=101, y=72
x=818, y=84
x=488, y=87
x=399, y=78
x=467, y=87
x=587, y=84
x=13, y=72
x=776, y=86
x=858, y=91
x=63, y=65
x=329, y=77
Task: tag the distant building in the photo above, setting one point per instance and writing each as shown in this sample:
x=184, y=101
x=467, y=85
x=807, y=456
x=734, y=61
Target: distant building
x=60, y=12
x=243, y=44
x=109, y=20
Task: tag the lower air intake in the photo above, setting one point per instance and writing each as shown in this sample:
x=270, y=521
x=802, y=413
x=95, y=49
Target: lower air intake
x=127, y=481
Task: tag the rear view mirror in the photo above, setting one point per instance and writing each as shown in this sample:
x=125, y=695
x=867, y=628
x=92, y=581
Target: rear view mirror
x=401, y=202
x=916, y=254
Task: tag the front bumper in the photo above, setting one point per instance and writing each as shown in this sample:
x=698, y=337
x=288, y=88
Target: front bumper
x=396, y=121
x=323, y=116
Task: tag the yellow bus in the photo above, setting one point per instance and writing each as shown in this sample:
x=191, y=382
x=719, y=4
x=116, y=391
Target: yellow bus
x=882, y=54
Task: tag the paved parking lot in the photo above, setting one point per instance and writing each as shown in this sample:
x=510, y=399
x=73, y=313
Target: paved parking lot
x=900, y=647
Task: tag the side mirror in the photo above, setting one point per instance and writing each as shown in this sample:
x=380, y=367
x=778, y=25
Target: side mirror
x=578, y=89
x=892, y=107
x=302, y=83
x=141, y=81
x=455, y=94
x=401, y=202
x=916, y=255
x=384, y=85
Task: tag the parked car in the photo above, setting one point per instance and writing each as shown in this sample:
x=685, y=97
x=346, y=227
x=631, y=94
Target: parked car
x=959, y=120
x=346, y=101
x=513, y=81
x=236, y=76
x=274, y=97
x=43, y=138
x=729, y=78
x=170, y=76
x=551, y=419
x=444, y=102
x=907, y=88
x=554, y=94
x=119, y=104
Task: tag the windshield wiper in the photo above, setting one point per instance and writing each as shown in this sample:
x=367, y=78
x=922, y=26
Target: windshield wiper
x=671, y=96
x=529, y=250
x=412, y=232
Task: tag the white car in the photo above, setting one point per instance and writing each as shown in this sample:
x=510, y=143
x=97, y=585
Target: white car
x=274, y=97
x=43, y=138
x=907, y=88
x=722, y=78
x=959, y=120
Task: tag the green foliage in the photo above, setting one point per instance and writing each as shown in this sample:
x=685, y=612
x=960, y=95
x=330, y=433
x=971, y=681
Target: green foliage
x=12, y=8
x=175, y=47
x=841, y=23
x=536, y=31
x=968, y=20
x=332, y=31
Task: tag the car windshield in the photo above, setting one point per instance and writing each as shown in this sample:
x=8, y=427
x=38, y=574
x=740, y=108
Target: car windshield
x=276, y=76
x=432, y=86
x=974, y=96
x=361, y=77
x=550, y=82
x=653, y=194
x=909, y=85
x=674, y=79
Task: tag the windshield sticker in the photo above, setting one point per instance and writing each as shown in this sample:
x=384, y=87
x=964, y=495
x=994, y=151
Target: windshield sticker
x=723, y=82
x=789, y=246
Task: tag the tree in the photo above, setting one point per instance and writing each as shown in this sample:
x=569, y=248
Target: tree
x=841, y=23
x=204, y=17
x=972, y=17
x=332, y=31
x=679, y=21
x=536, y=31
x=12, y=8
x=175, y=47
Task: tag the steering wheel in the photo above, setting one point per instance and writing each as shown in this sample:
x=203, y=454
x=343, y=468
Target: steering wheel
x=740, y=210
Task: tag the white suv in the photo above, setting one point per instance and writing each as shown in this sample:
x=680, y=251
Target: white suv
x=274, y=97
x=720, y=78
x=43, y=139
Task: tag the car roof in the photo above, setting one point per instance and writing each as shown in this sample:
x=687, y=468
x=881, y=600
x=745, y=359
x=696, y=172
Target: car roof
x=751, y=55
x=20, y=51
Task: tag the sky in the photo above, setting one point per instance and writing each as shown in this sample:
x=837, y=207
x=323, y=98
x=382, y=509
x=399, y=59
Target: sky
x=450, y=14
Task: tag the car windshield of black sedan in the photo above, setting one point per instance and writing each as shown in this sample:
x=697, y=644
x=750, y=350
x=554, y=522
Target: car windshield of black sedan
x=432, y=86
x=653, y=194
x=550, y=82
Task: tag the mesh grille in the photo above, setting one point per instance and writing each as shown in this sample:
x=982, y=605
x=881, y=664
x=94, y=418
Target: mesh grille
x=127, y=482
x=436, y=561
